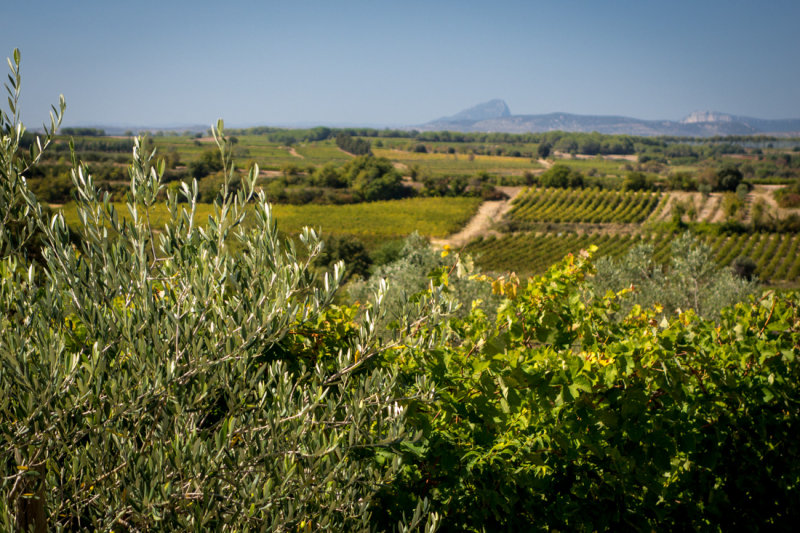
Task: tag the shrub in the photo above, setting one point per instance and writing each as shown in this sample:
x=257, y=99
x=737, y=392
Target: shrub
x=637, y=181
x=347, y=249
x=691, y=279
x=189, y=377
x=557, y=417
x=728, y=178
x=744, y=267
x=561, y=176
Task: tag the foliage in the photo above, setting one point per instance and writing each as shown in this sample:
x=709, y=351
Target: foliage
x=732, y=206
x=727, y=178
x=561, y=176
x=388, y=252
x=328, y=176
x=353, y=145
x=208, y=162
x=345, y=248
x=374, y=178
x=789, y=197
x=638, y=181
x=744, y=267
x=182, y=367
x=85, y=132
x=19, y=232
x=543, y=150
x=410, y=275
x=556, y=417
x=690, y=280
x=682, y=181
x=194, y=378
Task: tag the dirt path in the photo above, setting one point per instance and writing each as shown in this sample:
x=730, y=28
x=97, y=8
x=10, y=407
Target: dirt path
x=708, y=208
x=711, y=210
x=489, y=213
x=764, y=194
x=293, y=152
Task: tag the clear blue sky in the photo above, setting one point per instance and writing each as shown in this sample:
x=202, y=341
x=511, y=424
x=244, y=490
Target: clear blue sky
x=400, y=63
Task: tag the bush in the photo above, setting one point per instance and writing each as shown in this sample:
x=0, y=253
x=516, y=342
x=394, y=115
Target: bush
x=691, y=279
x=374, y=178
x=638, y=181
x=193, y=378
x=346, y=249
x=197, y=376
x=744, y=267
x=561, y=176
x=353, y=145
x=728, y=178
x=556, y=417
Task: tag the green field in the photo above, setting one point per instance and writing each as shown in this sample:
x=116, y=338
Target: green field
x=448, y=164
x=614, y=167
x=432, y=217
x=269, y=155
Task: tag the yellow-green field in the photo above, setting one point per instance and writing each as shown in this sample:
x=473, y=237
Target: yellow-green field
x=432, y=217
x=438, y=164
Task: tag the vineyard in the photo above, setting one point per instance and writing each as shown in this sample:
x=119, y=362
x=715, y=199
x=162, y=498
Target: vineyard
x=583, y=205
x=777, y=256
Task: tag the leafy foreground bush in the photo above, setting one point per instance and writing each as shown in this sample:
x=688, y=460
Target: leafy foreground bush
x=183, y=378
x=558, y=416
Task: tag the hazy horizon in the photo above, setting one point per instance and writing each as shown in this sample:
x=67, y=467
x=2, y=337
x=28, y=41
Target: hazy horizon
x=368, y=63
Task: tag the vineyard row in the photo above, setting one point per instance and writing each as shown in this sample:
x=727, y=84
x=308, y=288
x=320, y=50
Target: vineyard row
x=583, y=205
x=775, y=254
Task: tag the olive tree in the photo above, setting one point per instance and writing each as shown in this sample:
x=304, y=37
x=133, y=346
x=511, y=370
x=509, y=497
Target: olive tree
x=690, y=280
x=194, y=376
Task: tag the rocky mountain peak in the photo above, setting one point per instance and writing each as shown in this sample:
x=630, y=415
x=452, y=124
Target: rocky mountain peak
x=706, y=116
x=496, y=108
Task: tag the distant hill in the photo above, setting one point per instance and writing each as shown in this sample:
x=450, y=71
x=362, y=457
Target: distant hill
x=485, y=111
x=495, y=116
x=122, y=129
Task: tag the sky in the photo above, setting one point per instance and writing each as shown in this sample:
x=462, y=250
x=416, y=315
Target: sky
x=387, y=63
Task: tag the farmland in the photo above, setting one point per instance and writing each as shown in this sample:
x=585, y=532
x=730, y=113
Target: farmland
x=594, y=205
x=433, y=217
x=776, y=255
x=651, y=191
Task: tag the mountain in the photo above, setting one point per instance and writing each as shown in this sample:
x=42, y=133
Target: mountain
x=495, y=116
x=486, y=111
x=491, y=110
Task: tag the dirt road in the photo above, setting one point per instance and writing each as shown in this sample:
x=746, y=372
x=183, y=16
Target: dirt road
x=482, y=224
